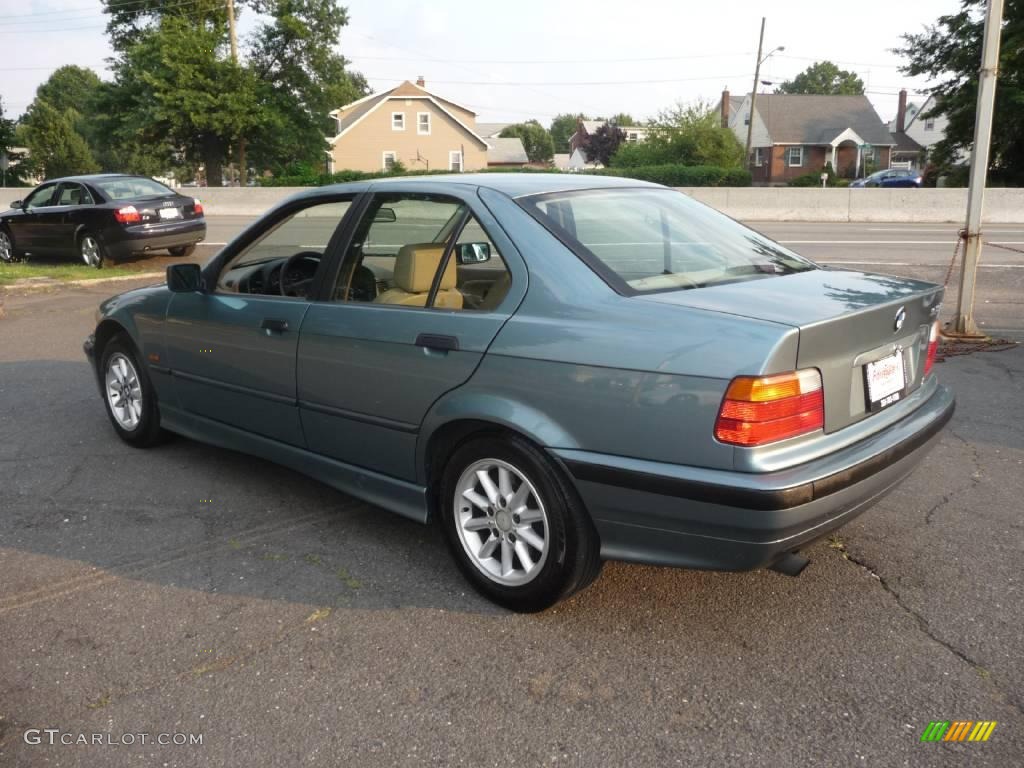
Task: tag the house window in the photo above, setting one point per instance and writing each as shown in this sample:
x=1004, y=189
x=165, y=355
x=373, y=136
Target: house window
x=795, y=157
x=455, y=161
x=746, y=118
x=759, y=156
x=398, y=121
x=633, y=136
x=423, y=123
x=389, y=160
x=869, y=154
x=929, y=124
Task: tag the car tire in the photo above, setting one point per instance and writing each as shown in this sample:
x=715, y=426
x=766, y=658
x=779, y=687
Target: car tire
x=91, y=250
x=128, y=394
x=525, y=542
x=182, y=250
x=8, y=253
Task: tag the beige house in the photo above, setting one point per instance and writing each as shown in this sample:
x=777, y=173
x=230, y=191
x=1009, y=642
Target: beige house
x=410, y=125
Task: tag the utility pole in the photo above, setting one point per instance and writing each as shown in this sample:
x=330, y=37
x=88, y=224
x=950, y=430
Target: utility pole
x=243, y=174
x=753, y=94
x=963, y=322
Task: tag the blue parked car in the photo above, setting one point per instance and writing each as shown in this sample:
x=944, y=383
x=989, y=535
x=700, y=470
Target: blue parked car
x=557, y=370
x=893, y=177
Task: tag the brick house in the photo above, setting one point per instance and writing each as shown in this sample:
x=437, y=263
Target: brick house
x=797, y=134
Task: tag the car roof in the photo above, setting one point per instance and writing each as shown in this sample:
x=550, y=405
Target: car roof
x=511, y=184
x=98, y=177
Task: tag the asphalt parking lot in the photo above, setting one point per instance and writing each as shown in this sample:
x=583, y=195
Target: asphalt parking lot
x=193, y=590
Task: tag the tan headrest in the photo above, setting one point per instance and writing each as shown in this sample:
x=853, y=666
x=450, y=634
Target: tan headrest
x=416, y=265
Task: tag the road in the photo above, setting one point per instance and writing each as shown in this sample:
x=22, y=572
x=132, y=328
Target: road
x=193, y=590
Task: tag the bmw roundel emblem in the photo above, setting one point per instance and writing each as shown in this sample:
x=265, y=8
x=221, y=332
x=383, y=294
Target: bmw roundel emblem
x=901, y=315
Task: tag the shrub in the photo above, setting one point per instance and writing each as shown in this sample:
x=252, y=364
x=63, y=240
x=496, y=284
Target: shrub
x=675, y=175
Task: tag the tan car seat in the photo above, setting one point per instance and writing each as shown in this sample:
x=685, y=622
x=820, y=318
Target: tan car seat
x=415, y=268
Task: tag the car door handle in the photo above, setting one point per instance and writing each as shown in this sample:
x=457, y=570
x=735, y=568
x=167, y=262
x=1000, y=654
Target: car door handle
x=435, y=341
x=274, y=325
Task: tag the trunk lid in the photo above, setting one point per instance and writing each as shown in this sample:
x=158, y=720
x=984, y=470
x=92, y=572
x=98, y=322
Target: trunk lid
x=846, y=320
x=164, y=210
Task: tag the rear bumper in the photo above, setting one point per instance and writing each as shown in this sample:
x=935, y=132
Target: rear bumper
x=123, y=242
x=665, y=514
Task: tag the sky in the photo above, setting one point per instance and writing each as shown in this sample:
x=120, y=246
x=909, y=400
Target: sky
x=536, y=58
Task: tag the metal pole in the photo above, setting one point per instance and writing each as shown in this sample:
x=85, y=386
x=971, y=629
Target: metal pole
x=963, y=322
x=753, y=93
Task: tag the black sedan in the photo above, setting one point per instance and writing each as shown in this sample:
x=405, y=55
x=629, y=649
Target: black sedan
x=100, y=218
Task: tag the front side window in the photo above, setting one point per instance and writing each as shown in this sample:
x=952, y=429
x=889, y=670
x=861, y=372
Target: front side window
x=649, y=240
x=284, y=260
x=41, y=198
x=423, y=123
x=415, y=250
x=795, y=157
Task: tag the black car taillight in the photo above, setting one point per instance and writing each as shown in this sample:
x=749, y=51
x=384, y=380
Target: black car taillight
x=128, y=215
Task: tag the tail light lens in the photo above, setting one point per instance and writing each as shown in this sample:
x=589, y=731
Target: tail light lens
x=128, y=215
x=764, y=409
x=197, y=207
x=933, y=348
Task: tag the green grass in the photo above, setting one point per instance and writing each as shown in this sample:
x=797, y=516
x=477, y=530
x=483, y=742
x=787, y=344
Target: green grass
x=9, y=273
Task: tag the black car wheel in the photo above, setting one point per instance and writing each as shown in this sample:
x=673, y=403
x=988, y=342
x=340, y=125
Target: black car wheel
x=128, y=395
x=90, y=248
x=182, y=250
x=7, y=252
x=516, y=528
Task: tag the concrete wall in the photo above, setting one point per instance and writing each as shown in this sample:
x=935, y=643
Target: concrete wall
x=1002, y=206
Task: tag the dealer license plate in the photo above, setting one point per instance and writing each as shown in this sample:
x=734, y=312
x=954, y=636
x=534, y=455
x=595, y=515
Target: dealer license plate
x=885, y=381
x=170, y=213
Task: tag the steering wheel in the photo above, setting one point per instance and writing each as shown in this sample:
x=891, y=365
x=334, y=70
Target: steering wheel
x=297, y=288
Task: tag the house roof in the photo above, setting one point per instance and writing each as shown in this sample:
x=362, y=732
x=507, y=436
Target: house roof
x=904, y=143
x=352, y=113
x=507, y=151
x=592, y=126
x=491, y=130
x=816, y=119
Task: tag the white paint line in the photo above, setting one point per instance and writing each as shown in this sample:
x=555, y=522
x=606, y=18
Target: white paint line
x=951, y=230
x=950, y=242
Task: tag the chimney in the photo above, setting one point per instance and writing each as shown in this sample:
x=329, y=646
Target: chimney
x=901, y=112
x=725, y=108
x=421, y=82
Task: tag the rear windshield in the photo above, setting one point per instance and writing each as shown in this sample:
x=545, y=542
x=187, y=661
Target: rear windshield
x=649, y=240
x=130, y=188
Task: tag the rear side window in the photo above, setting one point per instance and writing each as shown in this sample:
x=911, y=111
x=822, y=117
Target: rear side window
x=651, y=240
x=131, y=188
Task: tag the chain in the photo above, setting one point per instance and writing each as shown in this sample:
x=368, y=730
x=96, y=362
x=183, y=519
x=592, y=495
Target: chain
x=960, y=237
x=1004, y=247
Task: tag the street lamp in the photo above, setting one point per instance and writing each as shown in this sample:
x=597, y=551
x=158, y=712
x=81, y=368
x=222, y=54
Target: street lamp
x=753, y=91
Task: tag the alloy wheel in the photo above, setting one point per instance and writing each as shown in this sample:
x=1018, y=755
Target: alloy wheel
x=6, y=248
x=90, y=249
x=501, y=522
x=124, y=391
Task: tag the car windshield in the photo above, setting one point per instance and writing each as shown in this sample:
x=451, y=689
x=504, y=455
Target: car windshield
x=131, y=188
x=649, y=240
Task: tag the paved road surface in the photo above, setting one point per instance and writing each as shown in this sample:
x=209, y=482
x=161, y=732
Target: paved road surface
x=191, y=589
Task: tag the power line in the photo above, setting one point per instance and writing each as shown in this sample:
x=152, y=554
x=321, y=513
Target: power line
x=526, y=84
x=92, y=16
x=559, y=61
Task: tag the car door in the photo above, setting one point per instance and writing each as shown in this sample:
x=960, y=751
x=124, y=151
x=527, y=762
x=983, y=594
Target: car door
x=388, y=340
x=231, y=349
x=59, y=222
x=27, y=228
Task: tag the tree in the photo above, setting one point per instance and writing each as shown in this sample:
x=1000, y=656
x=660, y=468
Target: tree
x=55, y=147
x=603, y=144
x=949, y=52
x=621, y=119
x=563, y=127
x=70, y=87
x=687, y=135
x=536, y=140
x=824, y=78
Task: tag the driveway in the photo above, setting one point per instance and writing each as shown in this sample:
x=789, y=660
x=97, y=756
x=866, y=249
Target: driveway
x=191, y=590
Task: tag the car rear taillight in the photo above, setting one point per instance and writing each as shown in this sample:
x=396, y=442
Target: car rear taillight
x=197, y=207
x=128, y=215
x=933, y=348
x=763, y=409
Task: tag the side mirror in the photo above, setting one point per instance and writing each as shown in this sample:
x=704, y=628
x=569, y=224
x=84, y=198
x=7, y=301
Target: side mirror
x=386, y=215
x=16, y=204
x=474, y=253
x=185, y=278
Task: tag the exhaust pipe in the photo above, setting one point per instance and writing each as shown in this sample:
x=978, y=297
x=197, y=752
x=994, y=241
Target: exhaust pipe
x=790, y=564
